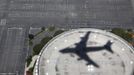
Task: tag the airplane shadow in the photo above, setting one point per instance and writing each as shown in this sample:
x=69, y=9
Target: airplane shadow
x=81, y=50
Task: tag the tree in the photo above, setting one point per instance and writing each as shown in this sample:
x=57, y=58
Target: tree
x=31, y=36
x=129, y=30
x=43, y=28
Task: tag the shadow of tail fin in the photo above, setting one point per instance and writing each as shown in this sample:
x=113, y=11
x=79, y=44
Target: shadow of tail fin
x=108, y=46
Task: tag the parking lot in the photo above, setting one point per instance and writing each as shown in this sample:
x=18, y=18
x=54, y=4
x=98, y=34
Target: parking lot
x=72, y=13
x=12, y=54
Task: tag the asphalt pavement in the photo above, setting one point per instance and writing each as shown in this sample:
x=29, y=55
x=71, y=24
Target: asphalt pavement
x=12, y=53
x=71, y=13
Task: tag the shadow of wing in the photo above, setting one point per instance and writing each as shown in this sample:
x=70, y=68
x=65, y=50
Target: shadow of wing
x=67, y=50
x=90, y=62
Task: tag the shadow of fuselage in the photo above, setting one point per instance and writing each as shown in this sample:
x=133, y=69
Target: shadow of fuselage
x=81, y=50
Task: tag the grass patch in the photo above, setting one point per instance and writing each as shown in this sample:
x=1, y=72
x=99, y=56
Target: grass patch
x=37, y=48
x=29, y=59
x=38, y=33
x=32, y=68
x=122, y=33
x=30, y=42
x=52, y=28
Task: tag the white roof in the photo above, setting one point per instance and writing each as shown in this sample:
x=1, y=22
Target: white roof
x=52, y=62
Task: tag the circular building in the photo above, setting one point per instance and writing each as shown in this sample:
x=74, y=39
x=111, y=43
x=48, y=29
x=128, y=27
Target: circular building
x=86, y=51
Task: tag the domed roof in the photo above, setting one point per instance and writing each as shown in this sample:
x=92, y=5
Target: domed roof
x=86, y=51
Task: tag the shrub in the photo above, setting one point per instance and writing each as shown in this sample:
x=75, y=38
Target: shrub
x=129, y=30
x=43, y=28
x=45, y=40
x=127, y=37
x=31, y=36
x=37, y=48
